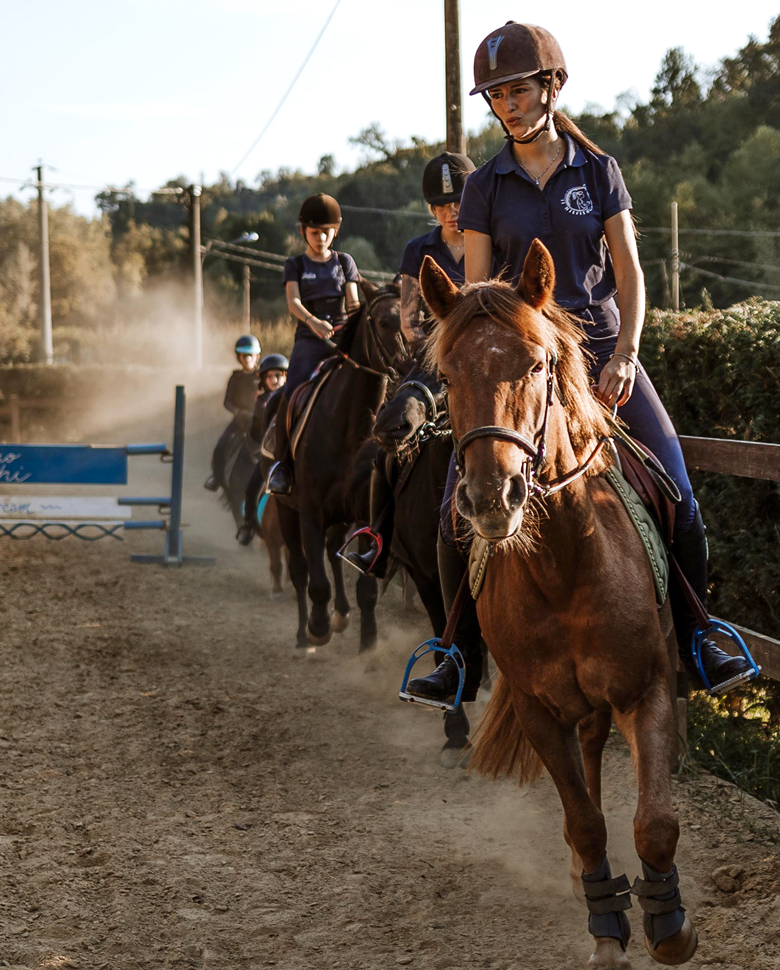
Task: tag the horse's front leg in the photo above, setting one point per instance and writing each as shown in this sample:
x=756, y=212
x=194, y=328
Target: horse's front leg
x=318, y=631
x=337, y=534
x=585, y=830
x=593, y=732
x=649, y=730
x=290, y=524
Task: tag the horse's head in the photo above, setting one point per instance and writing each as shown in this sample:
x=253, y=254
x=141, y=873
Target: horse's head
x=378, y=341
x=418, y=402
x=500, y=351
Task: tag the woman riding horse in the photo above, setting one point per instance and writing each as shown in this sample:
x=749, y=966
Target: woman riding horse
x=552, y=183
x=321, y=289
x=442, y=186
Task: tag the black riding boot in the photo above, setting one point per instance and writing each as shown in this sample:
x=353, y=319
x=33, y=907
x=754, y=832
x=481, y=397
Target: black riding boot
x=443, y=682
x=690, y=551
x=250, y=525
x=280, y=480
x=382, y=513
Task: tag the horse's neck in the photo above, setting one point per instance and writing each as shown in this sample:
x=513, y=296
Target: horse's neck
x=355, y=397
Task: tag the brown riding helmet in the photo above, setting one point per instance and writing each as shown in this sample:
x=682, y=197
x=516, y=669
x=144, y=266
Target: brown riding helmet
x=321, y=212
x=516, y=51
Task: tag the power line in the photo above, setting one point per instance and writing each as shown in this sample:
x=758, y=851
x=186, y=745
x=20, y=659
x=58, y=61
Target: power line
x=710, y=232
x=386, y=212
x=278, y=108
x=736, y=262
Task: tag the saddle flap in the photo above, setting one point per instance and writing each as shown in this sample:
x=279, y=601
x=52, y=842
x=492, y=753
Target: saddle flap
x=650, y=481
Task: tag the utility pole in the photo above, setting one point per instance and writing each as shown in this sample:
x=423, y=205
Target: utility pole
x=247, y=315
x=675, y=260
x=456, y=141
x=197, y=270
x=47, y=346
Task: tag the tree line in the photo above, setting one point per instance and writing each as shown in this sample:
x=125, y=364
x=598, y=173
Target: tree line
x=709, y=140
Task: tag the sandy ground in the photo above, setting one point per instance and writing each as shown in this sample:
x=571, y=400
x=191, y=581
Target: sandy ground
x=179, y=792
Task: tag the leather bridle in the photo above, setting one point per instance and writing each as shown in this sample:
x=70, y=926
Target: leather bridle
x=387, y=361
x=535, y=454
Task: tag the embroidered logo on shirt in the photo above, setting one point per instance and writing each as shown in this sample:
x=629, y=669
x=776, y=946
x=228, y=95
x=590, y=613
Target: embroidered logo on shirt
x=308, y=276
x=577, y=201
x=492, y=46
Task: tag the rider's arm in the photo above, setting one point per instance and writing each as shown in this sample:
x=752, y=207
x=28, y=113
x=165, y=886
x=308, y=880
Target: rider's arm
x=618, y=375
x=411, y=301
x=353, y=299
x=479, y=256
x=320, y=327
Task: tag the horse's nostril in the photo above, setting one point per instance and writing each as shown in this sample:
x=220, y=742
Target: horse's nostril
x=515, y=493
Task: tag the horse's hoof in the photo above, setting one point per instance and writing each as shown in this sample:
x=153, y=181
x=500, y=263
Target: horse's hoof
x=339, y=621
x=316, y=641
x=454, y=757
x=677, y=949
x=608, y=955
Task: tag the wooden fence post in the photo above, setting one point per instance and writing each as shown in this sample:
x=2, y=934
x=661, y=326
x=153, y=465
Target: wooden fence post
x=16, y=427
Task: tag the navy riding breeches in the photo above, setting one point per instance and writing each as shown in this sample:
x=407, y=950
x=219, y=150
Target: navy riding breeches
x=308, y=353
x=644, y=414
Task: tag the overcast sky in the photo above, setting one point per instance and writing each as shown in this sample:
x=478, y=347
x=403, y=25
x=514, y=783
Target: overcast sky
x=110, y=90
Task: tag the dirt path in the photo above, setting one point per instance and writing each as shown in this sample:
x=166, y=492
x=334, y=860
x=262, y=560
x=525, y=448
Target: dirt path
x=179, y=792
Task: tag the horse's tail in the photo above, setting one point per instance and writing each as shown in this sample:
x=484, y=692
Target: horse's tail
x=499, y=747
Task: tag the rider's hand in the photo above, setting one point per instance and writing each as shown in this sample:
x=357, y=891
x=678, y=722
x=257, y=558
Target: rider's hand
x=321, y=327
x=616, y=382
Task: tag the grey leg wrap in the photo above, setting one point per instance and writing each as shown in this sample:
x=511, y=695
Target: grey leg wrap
x=607, y=900
x=659, y=897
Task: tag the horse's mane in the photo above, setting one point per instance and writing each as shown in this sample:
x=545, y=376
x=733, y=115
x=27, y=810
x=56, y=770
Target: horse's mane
x=551, y=328
x=346, y=337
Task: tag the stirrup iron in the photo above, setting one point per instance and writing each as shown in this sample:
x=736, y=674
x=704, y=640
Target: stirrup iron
x=377, y=541
x=700, y=635
x=435, y=646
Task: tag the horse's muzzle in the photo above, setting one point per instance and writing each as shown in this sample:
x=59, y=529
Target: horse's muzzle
x=493, y=506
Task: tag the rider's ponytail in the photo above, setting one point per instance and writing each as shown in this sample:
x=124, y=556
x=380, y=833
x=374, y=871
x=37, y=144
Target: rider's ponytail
x=566, y=126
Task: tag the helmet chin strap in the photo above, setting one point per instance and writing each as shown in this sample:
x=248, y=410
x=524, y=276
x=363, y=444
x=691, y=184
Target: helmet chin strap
x=547, y=124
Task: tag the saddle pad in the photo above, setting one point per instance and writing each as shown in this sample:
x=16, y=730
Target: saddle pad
x=648, y=530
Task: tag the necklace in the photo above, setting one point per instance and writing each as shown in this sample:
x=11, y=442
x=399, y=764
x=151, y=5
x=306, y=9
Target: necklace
x=537, y=178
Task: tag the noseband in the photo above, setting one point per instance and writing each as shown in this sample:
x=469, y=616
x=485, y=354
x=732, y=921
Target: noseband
x=535, y=455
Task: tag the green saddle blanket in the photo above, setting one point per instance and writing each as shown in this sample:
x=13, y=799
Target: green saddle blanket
x=646, y=526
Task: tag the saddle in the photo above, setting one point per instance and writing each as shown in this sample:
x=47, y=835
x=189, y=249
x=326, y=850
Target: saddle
x=299, y=408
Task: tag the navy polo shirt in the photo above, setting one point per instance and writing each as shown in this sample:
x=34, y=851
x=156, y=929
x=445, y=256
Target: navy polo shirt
x=431, y=244
x=322, y=286
x=502, y=201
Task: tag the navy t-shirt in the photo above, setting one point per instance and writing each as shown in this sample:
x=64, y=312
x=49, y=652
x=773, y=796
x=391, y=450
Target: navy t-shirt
x=241, y=391
x=323, y=286
x=568, y=215
x=431, y=244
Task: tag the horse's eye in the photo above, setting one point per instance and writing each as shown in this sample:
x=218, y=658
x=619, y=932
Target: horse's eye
x=537, y=368
x=443, y=381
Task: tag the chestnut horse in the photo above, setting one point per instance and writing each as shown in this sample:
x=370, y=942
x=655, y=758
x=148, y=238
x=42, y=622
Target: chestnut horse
x=582, y=642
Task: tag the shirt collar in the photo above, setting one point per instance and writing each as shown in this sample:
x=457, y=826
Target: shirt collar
x=573, y=157
x=434, y=237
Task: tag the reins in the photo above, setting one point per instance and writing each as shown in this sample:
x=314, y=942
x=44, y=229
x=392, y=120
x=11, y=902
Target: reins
x=389, y=371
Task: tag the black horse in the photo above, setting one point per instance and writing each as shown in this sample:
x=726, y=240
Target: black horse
x=318, y=515
x=412, y=428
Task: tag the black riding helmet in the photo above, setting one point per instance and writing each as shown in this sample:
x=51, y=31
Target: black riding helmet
x=320, y=211
x=444, y=178
x=516, y=51
x=274, y=362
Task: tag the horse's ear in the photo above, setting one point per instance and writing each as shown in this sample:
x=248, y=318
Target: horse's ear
x=369, y=289
x=537, y=280
x=439, y=291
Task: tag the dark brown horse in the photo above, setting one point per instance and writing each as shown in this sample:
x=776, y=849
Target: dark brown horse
x=316, y=518
x=568, y=607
